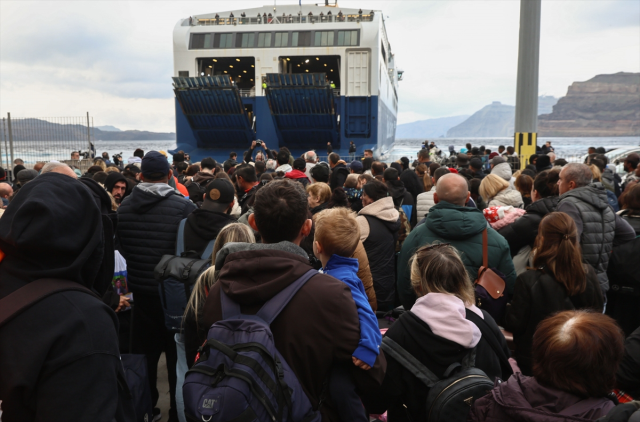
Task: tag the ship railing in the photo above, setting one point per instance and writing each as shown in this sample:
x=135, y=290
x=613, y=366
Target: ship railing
x=290, y=19
x=247, y=93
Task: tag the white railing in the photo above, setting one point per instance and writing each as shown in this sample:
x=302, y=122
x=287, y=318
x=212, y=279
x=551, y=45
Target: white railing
x=290, y=19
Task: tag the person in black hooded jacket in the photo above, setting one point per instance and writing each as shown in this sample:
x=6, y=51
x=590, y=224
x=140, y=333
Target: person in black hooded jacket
x=524, y=230
x=116, y=184
x=59, y=358
x=401, y=196
x=410, y=179
x=204, y=224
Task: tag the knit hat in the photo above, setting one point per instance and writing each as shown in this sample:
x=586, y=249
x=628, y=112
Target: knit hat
x=26, y=175
x=462, y=160
x=356, y=166
x=463, y=150
x=492, y=155
x=154, y=165
x=497, y=160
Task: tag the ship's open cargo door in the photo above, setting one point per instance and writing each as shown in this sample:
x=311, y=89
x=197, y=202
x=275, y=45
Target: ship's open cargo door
x=357, y=113
x=303, y=109
x=215, y=111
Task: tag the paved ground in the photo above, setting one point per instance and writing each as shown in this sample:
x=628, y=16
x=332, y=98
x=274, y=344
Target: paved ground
x=163, y=389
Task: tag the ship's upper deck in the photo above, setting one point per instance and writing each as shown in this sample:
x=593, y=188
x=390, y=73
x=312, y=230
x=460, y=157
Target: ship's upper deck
x=286, y=14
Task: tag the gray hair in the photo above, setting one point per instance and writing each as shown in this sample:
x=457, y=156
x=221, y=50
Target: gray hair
x=580, y=174
x=52, y=165
x=271, y=164
x=310, y=157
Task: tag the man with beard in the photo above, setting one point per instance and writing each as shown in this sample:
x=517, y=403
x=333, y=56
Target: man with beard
x=116, y=185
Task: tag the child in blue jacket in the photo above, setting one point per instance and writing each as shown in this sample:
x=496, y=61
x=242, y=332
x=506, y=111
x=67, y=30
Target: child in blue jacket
x=336, y=239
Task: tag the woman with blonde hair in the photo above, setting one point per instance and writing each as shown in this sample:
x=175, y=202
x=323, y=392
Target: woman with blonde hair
x=319, y=196
x=236, y=232
x=496, y=192
x=439, y=330
x=558, y=281
x=100, y=163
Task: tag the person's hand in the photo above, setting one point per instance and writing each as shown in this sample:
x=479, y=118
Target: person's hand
x=360, y=364
x=124, y=303
x=253, y=145
x=264, y=146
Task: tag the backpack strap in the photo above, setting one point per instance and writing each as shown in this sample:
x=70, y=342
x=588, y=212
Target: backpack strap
x=409, y=362
x=208, y=250
x=490, y=336
x=180, y=237
x=272, y=308
x=32, y=293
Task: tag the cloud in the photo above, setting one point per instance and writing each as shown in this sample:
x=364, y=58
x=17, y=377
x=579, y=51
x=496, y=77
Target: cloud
x=115, y=58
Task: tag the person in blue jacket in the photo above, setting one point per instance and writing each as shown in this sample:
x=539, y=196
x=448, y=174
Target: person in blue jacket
x=336, y=239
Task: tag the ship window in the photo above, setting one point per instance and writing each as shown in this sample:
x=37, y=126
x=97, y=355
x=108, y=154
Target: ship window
x=245, y=40
x=208, y=41
x=323, y=38
x=197, y=41
x=301, y=39
x=384, y=53
x=223, y=41
x=347, y=37
x=282, y=39
x=264, y=39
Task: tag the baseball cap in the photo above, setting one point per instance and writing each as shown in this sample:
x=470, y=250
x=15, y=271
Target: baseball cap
x=356, y=166
x=154, y=165
x=220, y=192
x=26, y=175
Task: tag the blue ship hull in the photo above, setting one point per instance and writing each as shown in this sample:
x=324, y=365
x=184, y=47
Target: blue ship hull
x=213, y=121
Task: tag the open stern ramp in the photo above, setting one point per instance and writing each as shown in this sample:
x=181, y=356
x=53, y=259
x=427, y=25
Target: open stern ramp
x=214, y=109
x=304, y=110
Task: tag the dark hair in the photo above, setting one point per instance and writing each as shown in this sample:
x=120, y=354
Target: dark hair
x=475, y=151
x=376, y=190
x=283, y=158
x=424, y=154
x=440, y=172
x=524, y=184
x=474, y=186
x=433, y=167
x=366, y=164
x=390, y=174
x=280, y=210
x=182, y=167
x=299, y=164
x=320, y=173
x=178, y=157
x=601, y=150
x=511, y=149
x=193, y=169
x=129, y=174
x=100, y=177
x=560, y=162
x=266, y=178
x=232, y=154
x=557, y=248
x=247, y=172
x=208, y=163
x=334, y=158
x=396, y=166
x=501, y=147
x=338, y=199
x=468, y=145
x=529, y=172
x=93, y=169
x=260, y=166
x=578, y=352
x=222, y=175
x=377, y=168
x=138, y=153
x=533, y=158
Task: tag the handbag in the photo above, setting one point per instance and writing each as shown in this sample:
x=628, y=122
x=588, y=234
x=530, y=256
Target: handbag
x=490, y=286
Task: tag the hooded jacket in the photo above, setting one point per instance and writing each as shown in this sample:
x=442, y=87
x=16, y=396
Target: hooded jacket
x=524, y=230
x=537, y=296
x=59, y=358
x=112, y=179
x=379, y=224
x=317, y=329
x=523, y=399
x=402, y=198
x=298, y=176
x=507, y=197
x=338, y=176
x=147, y=228
x=346, y=270
x=462, y=227
x=598, y=226
x=412, y=183
x=437, y=333
x=203, y=226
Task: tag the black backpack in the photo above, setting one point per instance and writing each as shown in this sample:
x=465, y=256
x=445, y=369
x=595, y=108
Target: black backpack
x=177, y=275
x=450, y=398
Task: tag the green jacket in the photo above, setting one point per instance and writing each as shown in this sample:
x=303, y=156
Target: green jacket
x=462, y=227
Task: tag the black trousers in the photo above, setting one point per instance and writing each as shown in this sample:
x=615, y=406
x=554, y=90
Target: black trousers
x=151, y=338
x=344, y=398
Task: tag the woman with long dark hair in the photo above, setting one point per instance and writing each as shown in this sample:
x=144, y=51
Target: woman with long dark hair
x=559, y=281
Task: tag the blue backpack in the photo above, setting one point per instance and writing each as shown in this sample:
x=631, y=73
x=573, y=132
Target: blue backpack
x=176, y=276
x=240, y=376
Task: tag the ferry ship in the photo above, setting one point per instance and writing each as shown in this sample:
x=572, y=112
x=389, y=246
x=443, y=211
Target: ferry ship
x=299, y=76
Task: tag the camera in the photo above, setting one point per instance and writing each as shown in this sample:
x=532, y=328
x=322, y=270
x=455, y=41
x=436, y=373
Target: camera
x=259, y=142
x=117, y=158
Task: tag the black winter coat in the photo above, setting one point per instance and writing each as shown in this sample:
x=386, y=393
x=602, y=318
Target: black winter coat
x=412, y=183
x=203, y=226
x=628, y=375
x=381, y=249
x=402, y=394
x=538, y=295
x=338, y=176
x=147, y=228
x=524, y=230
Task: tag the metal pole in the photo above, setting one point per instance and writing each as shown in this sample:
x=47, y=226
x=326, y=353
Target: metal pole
x=13, y=176
x=6, y=149
x=88, y=134
x=526, y=124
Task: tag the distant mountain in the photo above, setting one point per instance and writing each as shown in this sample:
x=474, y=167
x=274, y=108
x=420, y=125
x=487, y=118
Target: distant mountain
x=546, y=103
x=29, y=129
x=133, y=135
x=606, y=105
x=108, y=128
x=493, y=120
x=429, y=128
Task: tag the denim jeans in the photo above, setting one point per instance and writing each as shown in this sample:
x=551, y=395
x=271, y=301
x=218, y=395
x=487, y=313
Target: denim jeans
x=181, y=370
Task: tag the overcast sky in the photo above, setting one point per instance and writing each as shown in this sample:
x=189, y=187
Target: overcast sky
x=115, y=59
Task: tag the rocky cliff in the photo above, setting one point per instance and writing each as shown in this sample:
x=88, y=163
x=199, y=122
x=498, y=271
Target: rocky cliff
x=607, y=105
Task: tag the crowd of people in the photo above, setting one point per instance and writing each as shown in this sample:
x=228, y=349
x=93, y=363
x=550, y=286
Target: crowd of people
x=375, y=251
